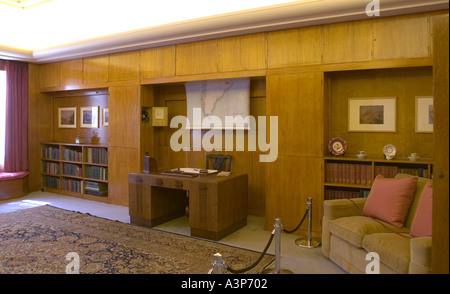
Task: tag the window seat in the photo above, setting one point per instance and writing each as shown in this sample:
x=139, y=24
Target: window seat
x=13, y=185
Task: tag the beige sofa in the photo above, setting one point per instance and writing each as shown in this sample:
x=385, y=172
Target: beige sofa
x=348, y=236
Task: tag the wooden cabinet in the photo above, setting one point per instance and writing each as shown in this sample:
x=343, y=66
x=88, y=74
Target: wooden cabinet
x=75, y=169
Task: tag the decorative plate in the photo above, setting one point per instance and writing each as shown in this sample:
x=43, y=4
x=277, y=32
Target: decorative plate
x=389, y=150
x=337, y=146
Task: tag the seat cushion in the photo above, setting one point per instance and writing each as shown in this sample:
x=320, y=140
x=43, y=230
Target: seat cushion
x=353, y=229
x=393, y=249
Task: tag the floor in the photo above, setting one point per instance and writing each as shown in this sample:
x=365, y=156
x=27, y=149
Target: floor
x=296, y=259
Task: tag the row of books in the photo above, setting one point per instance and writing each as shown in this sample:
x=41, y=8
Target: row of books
x=73, y=155
x=51, y=182
x=96, y=188
x=392, y=171
x=97, y=172
x=339, y=194
x=72, y=185
x=50, y=168
x=73, y=170
x=347, y=173
x=97, y=155
x=50, y=152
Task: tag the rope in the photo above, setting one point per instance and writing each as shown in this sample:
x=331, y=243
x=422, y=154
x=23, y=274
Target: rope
x=299, y=225
x=240, y=271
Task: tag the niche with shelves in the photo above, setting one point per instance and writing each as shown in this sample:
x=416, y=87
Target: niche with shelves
x=347, y=176
x=75, y=169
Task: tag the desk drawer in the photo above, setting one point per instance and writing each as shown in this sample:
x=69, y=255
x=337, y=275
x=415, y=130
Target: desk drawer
x=169, y=183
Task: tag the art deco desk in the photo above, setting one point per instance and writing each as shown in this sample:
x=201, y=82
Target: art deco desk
x=217, y=205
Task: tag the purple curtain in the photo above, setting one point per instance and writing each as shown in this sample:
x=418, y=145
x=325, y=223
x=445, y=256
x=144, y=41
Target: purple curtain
x=16, y=135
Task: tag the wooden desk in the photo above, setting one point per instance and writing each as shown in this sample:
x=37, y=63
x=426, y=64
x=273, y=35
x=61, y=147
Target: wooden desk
x=217, y=205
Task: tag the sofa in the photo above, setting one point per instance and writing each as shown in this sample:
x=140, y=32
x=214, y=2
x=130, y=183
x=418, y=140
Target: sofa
x=394, y=221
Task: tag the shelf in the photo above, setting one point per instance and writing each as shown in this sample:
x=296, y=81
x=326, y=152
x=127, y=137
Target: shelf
x=72, y=169
x=349, y=177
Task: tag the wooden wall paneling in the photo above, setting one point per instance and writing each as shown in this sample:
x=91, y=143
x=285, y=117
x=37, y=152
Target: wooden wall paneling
x=440, y=249
x=50, y=74
x=297, y=100
x=197, y=58
x=158, y=62
x=124, y=116
x=40, y=124
x=95, y=69
x=121, y=162
x=72, y=73
x=400, y=37
x=124, y=66
x=290, y=181
x=243, y=52
x=292, y=47
x=348, y=42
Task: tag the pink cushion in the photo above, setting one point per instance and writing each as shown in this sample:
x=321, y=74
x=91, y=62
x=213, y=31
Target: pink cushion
x=389, y=199
x=422, y=222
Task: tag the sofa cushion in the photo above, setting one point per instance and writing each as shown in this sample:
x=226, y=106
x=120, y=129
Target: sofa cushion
x=353, y=229
x=422, y=222
x=393, y=249
x=390, y=199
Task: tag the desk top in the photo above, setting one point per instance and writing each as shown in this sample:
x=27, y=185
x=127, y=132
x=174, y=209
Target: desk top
x=210, y=178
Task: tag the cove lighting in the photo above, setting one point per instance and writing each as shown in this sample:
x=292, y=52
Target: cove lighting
x=61, y=22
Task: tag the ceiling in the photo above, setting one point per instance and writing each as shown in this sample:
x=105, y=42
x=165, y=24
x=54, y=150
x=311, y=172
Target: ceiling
x=50, y=30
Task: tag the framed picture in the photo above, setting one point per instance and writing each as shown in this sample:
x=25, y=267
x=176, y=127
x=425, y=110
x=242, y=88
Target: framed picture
x=424, y=114
x=105, y=117
x=67, y=117
x=89, y=117
x=372, y=114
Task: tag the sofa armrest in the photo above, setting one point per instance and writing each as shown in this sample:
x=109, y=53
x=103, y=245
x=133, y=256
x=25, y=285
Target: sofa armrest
x=420, y=255
x=333, y=209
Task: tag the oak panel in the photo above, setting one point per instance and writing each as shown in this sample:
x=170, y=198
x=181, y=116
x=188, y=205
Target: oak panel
x=197, y=58
x=347, y=42
x=158, y=62
x=401, y=37
x=95, y=69
x=124, y=66
x=295, y=47
x=297, y=101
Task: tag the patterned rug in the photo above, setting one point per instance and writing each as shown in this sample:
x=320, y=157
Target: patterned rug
x=49, y=240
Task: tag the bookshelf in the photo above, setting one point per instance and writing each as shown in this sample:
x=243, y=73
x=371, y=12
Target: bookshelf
x=75, y=169
x=350, y=177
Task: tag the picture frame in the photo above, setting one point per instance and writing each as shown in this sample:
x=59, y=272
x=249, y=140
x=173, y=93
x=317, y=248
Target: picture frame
x=67, y=117
x=89, y=117
x=424, y=114
x=372, y=114
x=105, y=117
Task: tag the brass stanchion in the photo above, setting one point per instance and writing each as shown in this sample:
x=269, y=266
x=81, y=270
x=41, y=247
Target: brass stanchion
x=277, y=269
x=308, y=242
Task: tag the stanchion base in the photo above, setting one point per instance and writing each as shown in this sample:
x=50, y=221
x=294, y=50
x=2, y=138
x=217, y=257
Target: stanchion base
x=272, y=271
x=303, y=242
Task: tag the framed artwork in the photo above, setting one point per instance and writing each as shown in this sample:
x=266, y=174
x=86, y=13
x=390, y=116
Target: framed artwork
x=372, y=114
x=67, y=117
x=424, y=114
x=89, y=117
x=105, y=117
